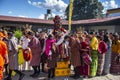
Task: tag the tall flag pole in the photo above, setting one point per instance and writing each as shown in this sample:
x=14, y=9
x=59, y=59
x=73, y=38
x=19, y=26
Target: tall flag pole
x=70, y=14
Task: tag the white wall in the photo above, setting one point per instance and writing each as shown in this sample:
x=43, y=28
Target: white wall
x=110, y=28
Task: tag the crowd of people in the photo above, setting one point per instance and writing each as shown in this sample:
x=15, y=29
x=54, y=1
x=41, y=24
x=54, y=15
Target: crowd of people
x=91, y=54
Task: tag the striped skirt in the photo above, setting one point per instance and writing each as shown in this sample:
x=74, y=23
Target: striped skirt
x=107, y=62
x=115, y=68
x=94, y=64
x=13, y=61
x=101, y=58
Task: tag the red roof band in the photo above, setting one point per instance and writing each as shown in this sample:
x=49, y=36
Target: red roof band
x=64, y=22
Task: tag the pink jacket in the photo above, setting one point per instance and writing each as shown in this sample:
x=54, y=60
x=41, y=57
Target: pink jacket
x=48, y=46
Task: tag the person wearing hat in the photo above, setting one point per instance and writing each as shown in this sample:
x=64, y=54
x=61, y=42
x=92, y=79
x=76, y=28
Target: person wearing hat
x=3, y=55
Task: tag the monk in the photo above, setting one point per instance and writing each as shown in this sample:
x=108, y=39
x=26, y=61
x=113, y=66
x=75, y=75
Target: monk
x=3, y=55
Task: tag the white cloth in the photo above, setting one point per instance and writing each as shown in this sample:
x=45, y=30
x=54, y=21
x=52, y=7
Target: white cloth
x=62, y=38
x=14, y=43
x=24, y=42
x=66, y=47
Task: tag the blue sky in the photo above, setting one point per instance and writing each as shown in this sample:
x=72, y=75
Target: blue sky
x=37, y=8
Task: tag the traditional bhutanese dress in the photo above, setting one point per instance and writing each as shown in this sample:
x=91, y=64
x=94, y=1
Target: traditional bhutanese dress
x=85, y=68
x=48, y=46
x=75, y=53
x=24, y=44
x=35, y=47
x=115, y=68
x=107, y=62
x=94, y=56
x=52, y=62
x=43, y=56
x=13, y=54
x=102, y=48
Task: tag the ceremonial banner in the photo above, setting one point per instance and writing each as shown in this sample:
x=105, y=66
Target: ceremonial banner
x=70, y=14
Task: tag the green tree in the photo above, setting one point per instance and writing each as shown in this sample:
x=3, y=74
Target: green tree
x=18, y=34
x=85, y=9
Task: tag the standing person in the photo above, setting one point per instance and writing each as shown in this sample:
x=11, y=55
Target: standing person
x=74, y=55
x=85, y=35
x=50, y=52
x=115, y=66
x=43, y=55
x=65, y=49
x=107, y=63
x=52, y=61
x=24, y=43
x=13, y=57
x=35, y=47
x=48, y=45
x=3, y=55
x=5, y=39
x=94, y=54
x=85, y=52
x=102, y=48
